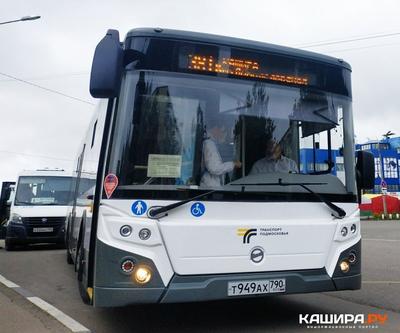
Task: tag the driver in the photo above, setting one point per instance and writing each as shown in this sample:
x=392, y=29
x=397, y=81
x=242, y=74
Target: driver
x=274, y=161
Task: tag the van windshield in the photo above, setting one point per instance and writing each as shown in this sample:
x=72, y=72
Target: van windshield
x=43, y=190
x=175, y=131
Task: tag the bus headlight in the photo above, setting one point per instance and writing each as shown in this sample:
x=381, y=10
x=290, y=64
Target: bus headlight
x=144, y=234
x=353, y=228
x=15, y=218
x=125, y=230
x=344, y=231
x=142, y=274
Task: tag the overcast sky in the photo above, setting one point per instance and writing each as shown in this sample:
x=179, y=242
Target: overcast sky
x=39, y=128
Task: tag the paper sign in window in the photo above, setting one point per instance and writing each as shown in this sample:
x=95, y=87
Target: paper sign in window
x=46, y=200
x=165, y=166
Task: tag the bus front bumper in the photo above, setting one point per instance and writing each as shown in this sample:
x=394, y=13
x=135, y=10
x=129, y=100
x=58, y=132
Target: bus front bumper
x=196, y=288
x=208, y=288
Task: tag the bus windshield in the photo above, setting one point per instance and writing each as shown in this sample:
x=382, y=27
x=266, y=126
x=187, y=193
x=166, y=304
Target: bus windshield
x=176, y=130
x=43, y=190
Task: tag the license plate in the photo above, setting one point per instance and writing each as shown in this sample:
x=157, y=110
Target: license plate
x=42, y=229
x=254, y=287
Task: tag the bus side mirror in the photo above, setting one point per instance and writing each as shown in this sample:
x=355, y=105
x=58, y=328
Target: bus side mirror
x=365, y=170
x=107, y=67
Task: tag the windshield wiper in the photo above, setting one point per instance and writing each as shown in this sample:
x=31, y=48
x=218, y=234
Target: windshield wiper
x=339, y=211
x=156, y=211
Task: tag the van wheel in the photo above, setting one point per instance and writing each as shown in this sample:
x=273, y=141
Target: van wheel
x=9, y=245
x=80, y=266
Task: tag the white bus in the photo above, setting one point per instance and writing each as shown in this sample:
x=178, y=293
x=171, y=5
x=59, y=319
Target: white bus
x=38, y=208
x=189, y=182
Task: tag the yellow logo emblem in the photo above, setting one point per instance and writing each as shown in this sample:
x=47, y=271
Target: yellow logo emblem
x=246, y=233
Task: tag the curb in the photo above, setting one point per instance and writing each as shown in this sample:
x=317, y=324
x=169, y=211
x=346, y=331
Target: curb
x=58, y=315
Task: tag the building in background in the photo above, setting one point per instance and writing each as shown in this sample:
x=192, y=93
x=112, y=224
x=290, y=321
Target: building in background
x=316, y=160
x=387, y=161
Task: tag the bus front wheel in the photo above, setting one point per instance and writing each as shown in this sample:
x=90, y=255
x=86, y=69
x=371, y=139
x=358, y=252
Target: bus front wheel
x=80, y=266
x=69, y=256
x=70, y=261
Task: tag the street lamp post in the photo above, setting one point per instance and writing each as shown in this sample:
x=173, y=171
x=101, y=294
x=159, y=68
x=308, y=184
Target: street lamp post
x=383, y=191
x=24, y=18
x=381, y=163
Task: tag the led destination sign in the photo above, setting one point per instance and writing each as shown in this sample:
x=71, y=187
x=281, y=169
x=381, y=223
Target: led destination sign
x=286, y=68
x=239, y=67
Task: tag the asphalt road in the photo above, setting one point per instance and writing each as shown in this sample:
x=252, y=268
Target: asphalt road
x=43, y=271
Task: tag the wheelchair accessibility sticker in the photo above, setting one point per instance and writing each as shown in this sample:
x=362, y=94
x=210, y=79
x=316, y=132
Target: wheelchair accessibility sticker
x=139, y=207
x=197, y=209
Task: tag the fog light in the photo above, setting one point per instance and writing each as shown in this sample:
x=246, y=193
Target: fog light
x=125, y=230
x=142, y=274
x=127, y=266
x=353, y=228
x=352, y=258
x=144, y=234
x=344, y=266
x=344, y=231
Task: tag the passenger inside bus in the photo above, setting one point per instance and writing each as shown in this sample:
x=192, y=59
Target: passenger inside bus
x=214, y=169
x=274, y=161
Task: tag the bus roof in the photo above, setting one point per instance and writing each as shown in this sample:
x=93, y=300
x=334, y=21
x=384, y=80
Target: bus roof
x=236, y=42
x=45, y=172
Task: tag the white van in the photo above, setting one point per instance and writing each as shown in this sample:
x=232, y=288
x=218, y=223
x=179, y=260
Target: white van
x=38, y=209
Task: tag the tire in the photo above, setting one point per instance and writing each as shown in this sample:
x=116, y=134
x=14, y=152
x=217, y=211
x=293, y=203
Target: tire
x=70, y=261
x=79, y=267
x=9, y=245
x=61, y=245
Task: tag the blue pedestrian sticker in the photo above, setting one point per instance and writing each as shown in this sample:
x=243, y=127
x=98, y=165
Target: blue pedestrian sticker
x=139, y=207
x=197, y=209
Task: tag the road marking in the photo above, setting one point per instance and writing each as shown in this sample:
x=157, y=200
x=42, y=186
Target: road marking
x=67, y=321
x=381, y=239
x=64, y=319
x=23, y=292
x=381, y=282
x=8, y=283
